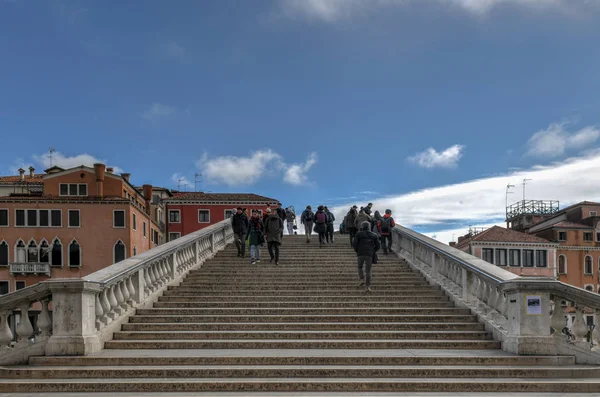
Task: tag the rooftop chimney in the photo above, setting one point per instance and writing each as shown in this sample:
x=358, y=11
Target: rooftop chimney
x=100, y=171
x=452, y=243
x=110, y=170
x=147, y=192
x=126, y=176
x=31, y=172
x=22, y=173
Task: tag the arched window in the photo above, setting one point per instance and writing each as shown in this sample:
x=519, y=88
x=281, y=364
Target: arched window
x=44, y=252
x=588, y=268
x=562, y=264
x=33, y=253
x=20, y=252
x=3, y=253
x=589, y=288
x=74, y=254
x=57, y=255
x=119, y=251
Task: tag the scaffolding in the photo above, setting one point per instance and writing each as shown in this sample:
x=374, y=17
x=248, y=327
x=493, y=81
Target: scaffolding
x=532, y=207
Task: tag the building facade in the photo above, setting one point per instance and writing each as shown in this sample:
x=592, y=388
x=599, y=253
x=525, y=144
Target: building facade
x=23, y=183
x=83, y=220
x=188, y=212
x=517, y=252
x=576, y=230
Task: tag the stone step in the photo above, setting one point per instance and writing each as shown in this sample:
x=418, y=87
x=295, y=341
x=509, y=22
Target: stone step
x=396, y=385
x=292, y=300
x=295, y=296
x=307, y=289
x=338, y=305
x=172, y=318
x=299, y=371
x=317, y=282
x=301, y=335
x=302, y=344
x=302, y=357
x=339, y=326
x=282, y=311
x=297, y=277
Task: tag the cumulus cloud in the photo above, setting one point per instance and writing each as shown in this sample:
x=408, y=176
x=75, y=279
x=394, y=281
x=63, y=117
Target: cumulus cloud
x=482, y=201
x=157, y=111
x=334, y=10
x=247, y=170
x=555, y=140
x=295, y=174
x=77, y=160
x=431, y=158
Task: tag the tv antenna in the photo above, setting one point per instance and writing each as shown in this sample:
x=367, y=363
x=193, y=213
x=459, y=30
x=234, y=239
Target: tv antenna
x=181, y=182
x=524, y=184
x=51, y=151
x=196, y=180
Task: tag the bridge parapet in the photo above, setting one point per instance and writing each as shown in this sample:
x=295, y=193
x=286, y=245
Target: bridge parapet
x=527, y=314
x=76, y=316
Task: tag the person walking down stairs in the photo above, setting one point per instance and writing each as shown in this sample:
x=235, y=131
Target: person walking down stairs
x=330, y=220
x=307, y=219
x=289, y=220
x=321, y=224
x=239, y=224
x=366, y=244
x=255, y=237
x=273, y=235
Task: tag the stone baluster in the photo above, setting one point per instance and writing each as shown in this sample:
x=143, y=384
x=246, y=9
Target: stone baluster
x=44, y=322
x=99, y=311
x=24, y=328
x=159, y=277
x=596, y=331
x=152, y=278
x=131, y=291
x=125, y=293
x=120, y=299
x=147, y=282
x=579, y=328
x=106, y=317
x=480, y=295
x=112, y=299
x=6, y=335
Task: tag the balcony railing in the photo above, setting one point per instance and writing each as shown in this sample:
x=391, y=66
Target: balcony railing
x=29, y=268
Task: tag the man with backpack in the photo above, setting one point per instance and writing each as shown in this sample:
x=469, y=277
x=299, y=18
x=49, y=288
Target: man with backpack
x=321, y=224
x=366, y=244
x=239, y=223
x=349, y=223
x=307, y=219
x=274, y=235
x=385, y=226
x=330, y=220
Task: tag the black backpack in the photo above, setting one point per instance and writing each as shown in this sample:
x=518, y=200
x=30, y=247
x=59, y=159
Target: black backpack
x=308, y=216
x=386, y=224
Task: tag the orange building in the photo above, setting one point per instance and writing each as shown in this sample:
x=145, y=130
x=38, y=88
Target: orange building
x=83, y=220
x=577, y=231
x=517, y=252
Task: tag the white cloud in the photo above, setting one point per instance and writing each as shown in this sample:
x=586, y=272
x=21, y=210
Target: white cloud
x=482, y=201
x=295, y=174
x=172, y=49
x=334, y=10
x=431, y=158
x=555, y=140
x=181, y=182
x=63, y=161
x=244, y=171
x=156, y=111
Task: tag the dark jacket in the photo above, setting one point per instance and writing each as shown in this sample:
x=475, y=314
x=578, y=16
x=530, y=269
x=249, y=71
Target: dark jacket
x=350, y=219
x=367, y=210
x=255, y=234
x=281, y=213
x=366, y=243
x=320, y=227
x=274, y=228
x=290, y=216
x=239, y=222
x=330, y=217
x=307, y=217
x=364, y=217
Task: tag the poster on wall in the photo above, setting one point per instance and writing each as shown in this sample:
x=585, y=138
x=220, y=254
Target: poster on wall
x=533, y=305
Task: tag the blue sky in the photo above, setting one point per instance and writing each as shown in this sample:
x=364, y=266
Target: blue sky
x=400, y=102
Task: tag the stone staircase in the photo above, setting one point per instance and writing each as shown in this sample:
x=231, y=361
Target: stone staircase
x=303, y=326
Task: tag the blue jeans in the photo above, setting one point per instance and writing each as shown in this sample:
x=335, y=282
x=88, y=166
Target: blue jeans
x=255, y=252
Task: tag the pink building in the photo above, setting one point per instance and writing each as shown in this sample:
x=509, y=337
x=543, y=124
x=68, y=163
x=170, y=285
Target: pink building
x=520, y=253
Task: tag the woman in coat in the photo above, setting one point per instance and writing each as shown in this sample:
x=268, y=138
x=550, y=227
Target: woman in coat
x=255, y=237
x=321, y=224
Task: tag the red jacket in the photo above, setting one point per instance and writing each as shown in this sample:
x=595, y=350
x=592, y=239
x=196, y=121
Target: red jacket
x=392, y=224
